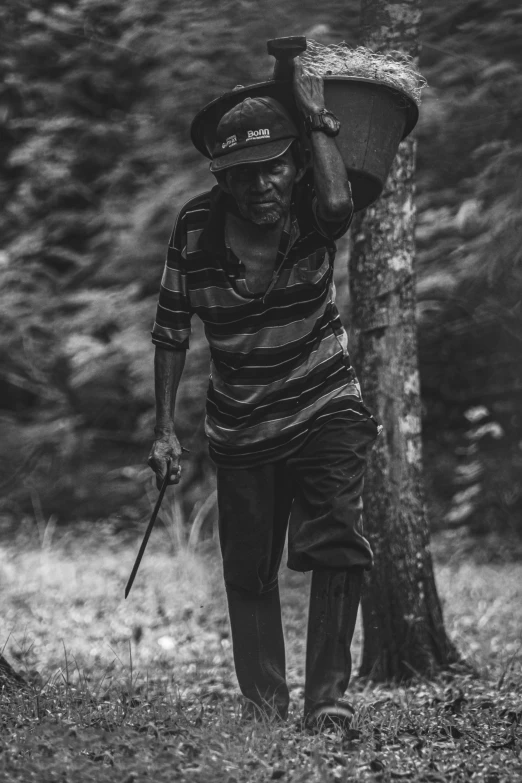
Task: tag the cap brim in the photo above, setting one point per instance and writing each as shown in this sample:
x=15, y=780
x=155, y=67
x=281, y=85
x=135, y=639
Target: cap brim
x=258, y=154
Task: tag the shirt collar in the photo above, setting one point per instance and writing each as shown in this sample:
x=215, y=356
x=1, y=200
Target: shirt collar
x=212, y=238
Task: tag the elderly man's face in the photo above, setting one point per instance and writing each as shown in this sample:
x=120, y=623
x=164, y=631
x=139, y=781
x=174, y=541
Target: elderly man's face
x=263, y=191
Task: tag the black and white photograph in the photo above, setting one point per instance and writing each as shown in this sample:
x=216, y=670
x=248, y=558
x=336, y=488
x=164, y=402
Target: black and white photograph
x=260, y=391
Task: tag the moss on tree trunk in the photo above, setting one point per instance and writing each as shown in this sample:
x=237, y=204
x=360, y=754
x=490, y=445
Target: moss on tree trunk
x=402, y=618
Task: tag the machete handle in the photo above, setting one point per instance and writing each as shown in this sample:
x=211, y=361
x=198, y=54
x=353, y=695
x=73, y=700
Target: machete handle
x=285, y=50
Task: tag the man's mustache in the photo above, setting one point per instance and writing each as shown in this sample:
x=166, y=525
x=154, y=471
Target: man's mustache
x=270, y=200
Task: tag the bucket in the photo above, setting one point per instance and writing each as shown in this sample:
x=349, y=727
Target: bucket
x=374, y=118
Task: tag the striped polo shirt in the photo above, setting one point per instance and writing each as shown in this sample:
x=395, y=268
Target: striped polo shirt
x=279, y=360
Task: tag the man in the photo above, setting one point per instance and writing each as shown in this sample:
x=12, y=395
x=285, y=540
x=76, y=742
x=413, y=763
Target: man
x=286, y=425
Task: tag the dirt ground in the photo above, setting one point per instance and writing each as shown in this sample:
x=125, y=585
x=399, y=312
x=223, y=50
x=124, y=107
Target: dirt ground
x=110, y=678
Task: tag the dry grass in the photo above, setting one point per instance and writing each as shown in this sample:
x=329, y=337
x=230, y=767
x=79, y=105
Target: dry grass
x=396, y=68
x=144, y=689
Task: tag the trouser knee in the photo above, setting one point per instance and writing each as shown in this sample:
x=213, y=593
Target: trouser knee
x=250, y=588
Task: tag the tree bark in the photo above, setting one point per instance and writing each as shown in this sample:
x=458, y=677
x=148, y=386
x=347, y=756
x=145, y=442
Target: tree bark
x=404, y=632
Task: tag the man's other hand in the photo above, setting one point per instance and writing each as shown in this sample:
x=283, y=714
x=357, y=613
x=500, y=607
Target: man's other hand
x=166, y=447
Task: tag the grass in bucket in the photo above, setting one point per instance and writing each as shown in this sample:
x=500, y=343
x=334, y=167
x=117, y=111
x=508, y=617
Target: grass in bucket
x=144, y=689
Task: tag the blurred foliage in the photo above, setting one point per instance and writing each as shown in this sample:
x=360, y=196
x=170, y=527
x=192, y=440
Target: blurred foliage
x=469, y=240
x=96, y=100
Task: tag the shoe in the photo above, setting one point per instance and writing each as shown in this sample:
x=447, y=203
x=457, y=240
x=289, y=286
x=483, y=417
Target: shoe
x=334, y=601
x=330, y=716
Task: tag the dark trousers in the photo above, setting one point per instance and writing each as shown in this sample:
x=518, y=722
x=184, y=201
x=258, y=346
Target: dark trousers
x=315, y=493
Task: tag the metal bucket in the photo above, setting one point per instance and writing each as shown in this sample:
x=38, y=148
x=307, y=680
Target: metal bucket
x=374, y=118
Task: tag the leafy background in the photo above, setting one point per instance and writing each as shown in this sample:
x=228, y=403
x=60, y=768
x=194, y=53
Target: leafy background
x=96, y=100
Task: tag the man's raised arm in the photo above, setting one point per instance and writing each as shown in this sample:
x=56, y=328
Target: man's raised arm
x=331, y=184
x=168, y=369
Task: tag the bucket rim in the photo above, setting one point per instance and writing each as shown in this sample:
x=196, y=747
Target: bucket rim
x=284, y=94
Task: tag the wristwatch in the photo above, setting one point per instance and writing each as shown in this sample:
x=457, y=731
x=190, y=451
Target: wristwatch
x=325, y=121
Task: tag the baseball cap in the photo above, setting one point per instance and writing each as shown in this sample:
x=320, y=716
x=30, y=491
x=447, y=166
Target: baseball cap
x=255, y=130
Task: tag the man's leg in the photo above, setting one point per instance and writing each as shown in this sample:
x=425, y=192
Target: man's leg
x=334, y=601
x=254, y=505
x=326, y=536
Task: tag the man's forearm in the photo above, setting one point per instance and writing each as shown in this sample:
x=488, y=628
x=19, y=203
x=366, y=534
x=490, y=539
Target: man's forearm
x=331, y=183
x=168, y=369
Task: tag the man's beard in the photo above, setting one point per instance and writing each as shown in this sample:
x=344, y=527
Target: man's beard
x=263, y=214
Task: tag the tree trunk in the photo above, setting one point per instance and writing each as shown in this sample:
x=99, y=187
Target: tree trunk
x=402, y=619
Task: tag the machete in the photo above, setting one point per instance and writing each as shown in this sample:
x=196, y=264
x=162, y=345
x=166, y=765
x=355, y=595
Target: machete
x=148, y=531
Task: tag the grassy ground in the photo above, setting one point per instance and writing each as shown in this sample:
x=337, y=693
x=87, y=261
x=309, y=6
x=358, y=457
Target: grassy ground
x=144, y=689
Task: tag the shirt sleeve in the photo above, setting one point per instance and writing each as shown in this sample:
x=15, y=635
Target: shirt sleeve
x=331, y=230
x=171, y=328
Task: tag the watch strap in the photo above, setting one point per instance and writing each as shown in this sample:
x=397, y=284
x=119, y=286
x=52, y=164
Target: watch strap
x=316, y=122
